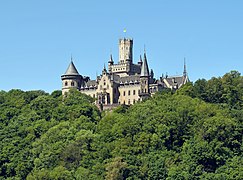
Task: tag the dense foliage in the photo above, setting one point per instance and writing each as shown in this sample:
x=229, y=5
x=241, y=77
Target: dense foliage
x=193, y=133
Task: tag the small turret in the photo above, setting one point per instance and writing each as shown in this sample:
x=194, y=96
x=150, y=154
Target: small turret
x=71, y=78
x=140, y=62
x=144, y=79
x=110, y=64
x=152, y=73
x=104, y=71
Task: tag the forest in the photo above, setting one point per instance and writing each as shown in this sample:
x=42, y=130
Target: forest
x=192, y=133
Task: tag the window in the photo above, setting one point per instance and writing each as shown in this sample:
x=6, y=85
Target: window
x=129, y=101
x=66, y=83
x=134, y=92
x=72, y=83
x=100, y=87
x=93, y=95
x=134, y=101
x=107, y=86
x=145, y=90
x=128, y=92
x=138, y=91
x=124, y=93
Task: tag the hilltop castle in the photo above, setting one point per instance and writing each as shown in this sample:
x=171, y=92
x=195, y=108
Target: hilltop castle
x=124, y=82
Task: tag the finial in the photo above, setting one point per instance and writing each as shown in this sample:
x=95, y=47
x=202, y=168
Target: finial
x=71, y=57
x=144, y=49
x=125, y=32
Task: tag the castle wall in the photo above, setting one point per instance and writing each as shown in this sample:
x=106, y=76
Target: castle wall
x=129, y=94
x=68, y=84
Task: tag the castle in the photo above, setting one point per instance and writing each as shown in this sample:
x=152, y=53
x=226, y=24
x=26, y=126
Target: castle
x=122, y=83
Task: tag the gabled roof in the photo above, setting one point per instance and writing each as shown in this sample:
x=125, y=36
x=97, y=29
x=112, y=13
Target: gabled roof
x=175, y=81
x=71, y=70
x=144, y=68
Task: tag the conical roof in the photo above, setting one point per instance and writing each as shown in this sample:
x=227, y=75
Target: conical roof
x=144, y=68
x=71, y=70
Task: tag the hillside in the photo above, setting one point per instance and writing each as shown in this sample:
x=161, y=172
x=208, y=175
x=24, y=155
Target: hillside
x=193, y=133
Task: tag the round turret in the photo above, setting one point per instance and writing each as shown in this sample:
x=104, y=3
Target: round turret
x=71, y=79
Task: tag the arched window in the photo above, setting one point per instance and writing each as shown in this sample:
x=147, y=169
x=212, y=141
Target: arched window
x=72, y=83
x=134, y=92
x=124, y=93
x=128, y=92
x=134, y=101
x=129, y=101
x=66, y=83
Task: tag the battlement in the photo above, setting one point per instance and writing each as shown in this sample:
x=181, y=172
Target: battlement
x=122, y=40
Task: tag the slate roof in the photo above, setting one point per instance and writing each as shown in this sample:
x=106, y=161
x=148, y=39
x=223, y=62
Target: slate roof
x=175, y=80
x=91, y=83
x=131, y=78
x=144, y=69
x=71, y=70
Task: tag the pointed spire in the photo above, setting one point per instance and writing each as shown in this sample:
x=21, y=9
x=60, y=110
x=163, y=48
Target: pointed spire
x=144, y=68
x=104, y=70
x=111, y=59
x=184, y=72
x=71, y=70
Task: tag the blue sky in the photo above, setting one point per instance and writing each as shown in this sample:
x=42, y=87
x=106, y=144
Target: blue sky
x=37, y=38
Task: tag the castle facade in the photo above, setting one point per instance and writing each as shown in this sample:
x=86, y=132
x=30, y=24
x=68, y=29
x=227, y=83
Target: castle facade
x=122, y=83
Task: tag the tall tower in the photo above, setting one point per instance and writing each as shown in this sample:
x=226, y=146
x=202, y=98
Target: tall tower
x=71, y=78
x=125, y=50
x=144, y=79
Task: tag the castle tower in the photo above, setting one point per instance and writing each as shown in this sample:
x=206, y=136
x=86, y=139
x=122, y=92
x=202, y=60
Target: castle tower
x=71, y=78
x=144, y=78
x=125, y=50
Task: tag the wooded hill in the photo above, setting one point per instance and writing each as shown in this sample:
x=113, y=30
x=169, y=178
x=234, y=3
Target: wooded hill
x=193, y=133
